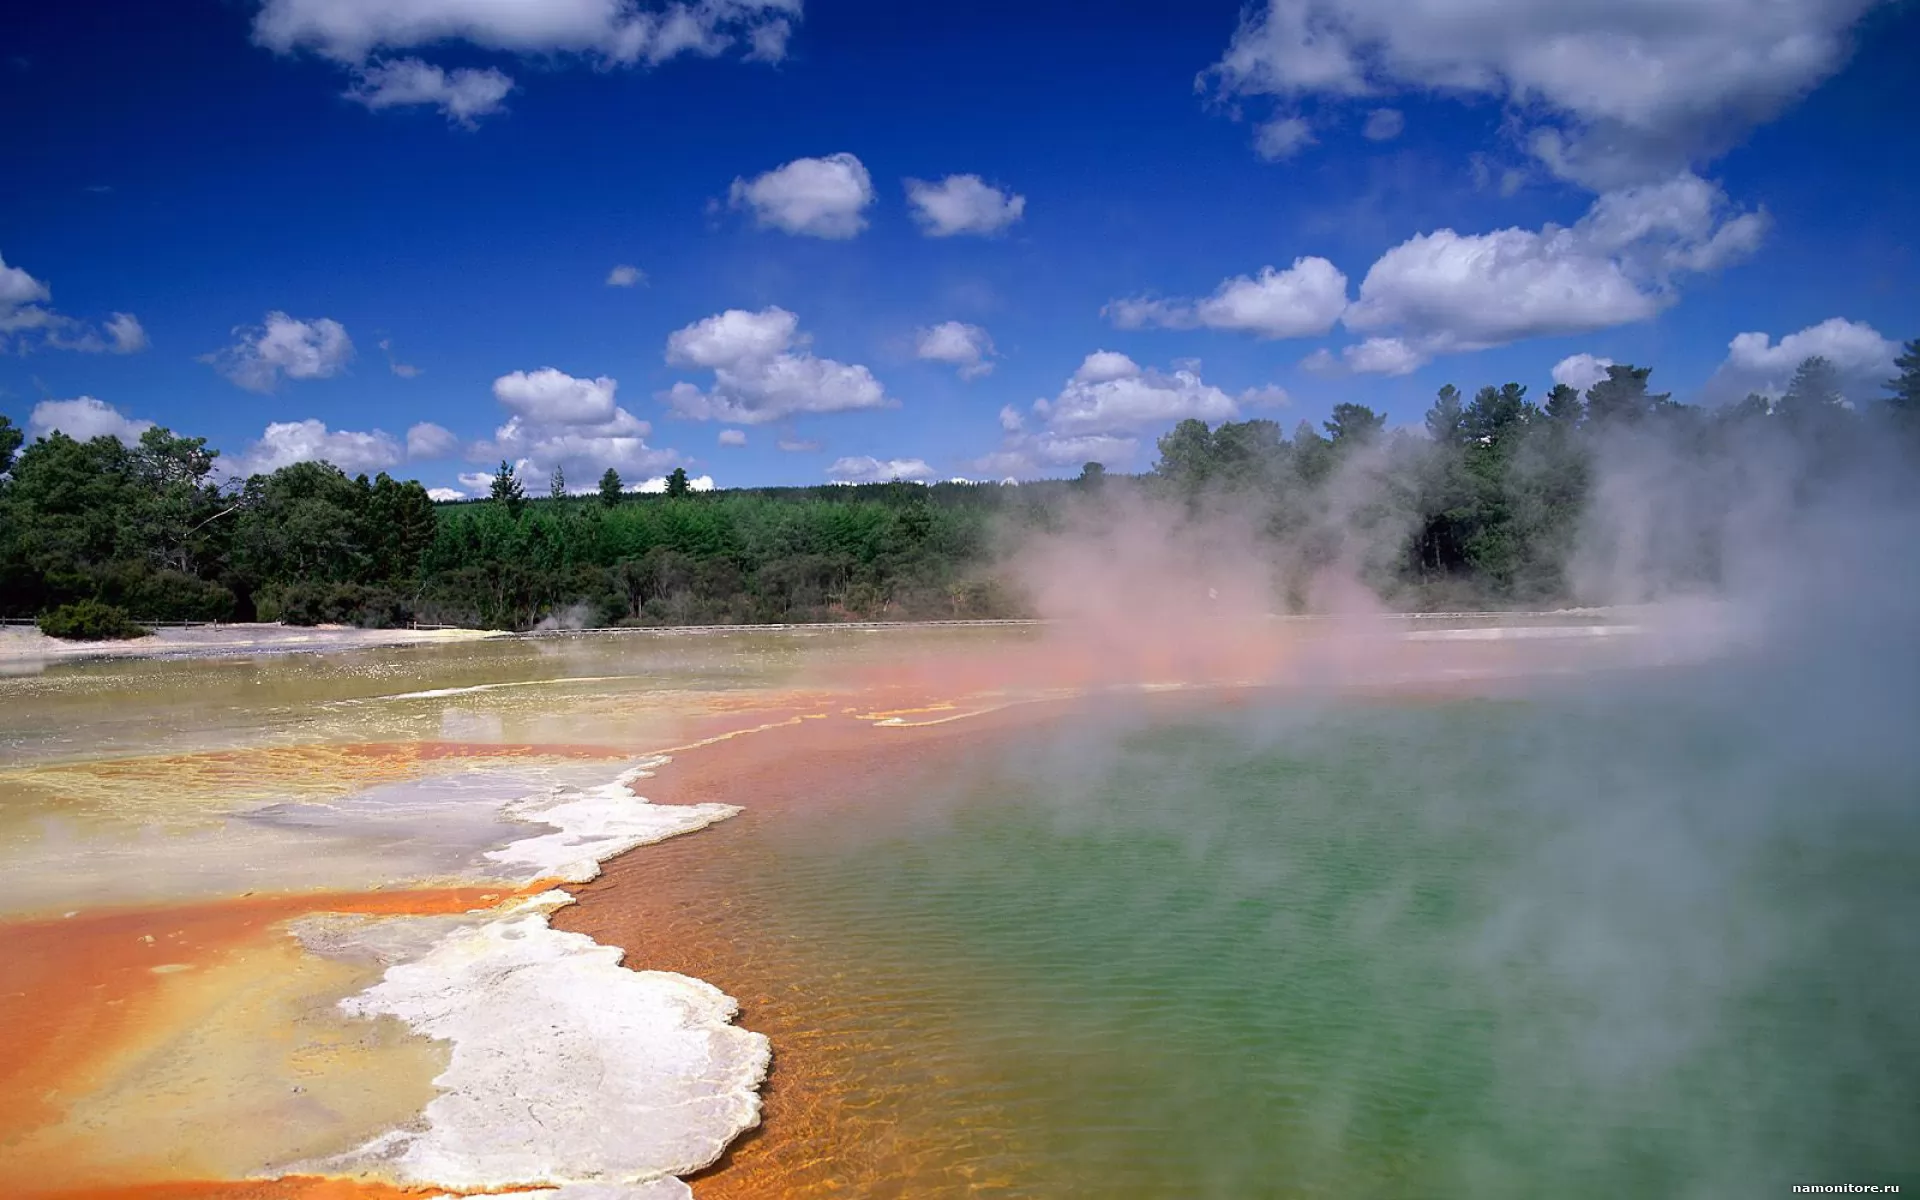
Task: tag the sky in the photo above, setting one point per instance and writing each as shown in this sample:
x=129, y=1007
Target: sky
x=779, y=242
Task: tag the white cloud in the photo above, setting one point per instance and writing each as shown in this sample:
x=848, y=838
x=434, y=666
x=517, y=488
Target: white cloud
x=463, y=96
x=287, y=442
x=125, y=334
x=763, y=371
x=427, y=440
x=84, y=419
x=965, y=346
x=733, y=437
x=612, y=31
x=794, y=445
x=403, y=370
x=559, y=420
x=1384, y=124
x=445, y=493
x=867, y=469
x=298, y=349
x=811, y=197
x=27, y=321
x=658, y=484
x=1861, y=357
x=1445, y=291
x=1282, y=138
x=1634, y=89
x=1104, y=409
x=626, y=276
x=19, y=289
x=1384, y=356
x=962, y=204
x=1302, y=301
x=553, y=397
x=1580, y=371
x=1111, y=392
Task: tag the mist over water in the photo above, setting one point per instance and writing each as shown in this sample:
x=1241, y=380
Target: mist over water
x=1599, y=940
x=1639, y=931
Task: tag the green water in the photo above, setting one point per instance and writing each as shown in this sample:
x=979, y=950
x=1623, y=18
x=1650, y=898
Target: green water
x=1633, y=938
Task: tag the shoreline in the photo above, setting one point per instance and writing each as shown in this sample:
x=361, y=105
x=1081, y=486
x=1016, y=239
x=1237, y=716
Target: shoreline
x=24, y=646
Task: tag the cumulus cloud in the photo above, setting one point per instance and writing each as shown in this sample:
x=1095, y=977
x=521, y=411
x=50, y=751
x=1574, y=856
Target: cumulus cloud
x=626, y=276
x=445, y=493
x=762, y=371
x=1282, y=138
x=560, y=420
x=1580, y=371
x=733, y=437
x=1861, y=357
x=1383, y=356
x=609, y=31
x=551, y=396
x=287, y=442
x=1445, y=291
x=1384, y=124
x=427, y=440
x=961, y=204
x=463, y=96
x=283, y=346
x=1625, y=91
x=28, y=321
x=658, y=484
x=1302, y=301
x=1103, y=410
x=84, y=419
x=809, y=197
x=965, y=346
x=867, y=469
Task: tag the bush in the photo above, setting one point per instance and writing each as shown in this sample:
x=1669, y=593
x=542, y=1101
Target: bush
x=90, y=621
x=368, y=606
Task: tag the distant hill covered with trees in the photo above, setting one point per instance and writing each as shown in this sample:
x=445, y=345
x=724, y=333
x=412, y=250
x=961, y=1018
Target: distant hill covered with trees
x=1479, y=509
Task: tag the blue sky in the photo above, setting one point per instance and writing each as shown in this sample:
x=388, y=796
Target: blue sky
x=383, y=232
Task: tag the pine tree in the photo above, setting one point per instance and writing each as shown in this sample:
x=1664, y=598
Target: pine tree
x=1446, y=421
x=1623, y=397
x=1906, y=386
x=1815, y=388
x=1563, y=406
x=610, y=489
x=557, y=485
x=506, y=490
x=677, y=484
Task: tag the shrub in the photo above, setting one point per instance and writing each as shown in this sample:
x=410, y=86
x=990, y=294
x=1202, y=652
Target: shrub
x=90, y=621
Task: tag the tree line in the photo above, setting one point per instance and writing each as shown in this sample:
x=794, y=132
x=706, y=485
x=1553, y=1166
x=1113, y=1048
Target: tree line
x=1479, y=508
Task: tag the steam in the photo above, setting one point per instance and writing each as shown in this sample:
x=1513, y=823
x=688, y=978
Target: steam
x=575, y=616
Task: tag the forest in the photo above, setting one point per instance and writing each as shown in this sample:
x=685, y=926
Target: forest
x=1479, y=509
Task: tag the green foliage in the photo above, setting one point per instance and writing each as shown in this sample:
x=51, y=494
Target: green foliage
x=506, y=490
x=557, y=484
x=1354, y=424
x=1481, y=511
x=1903, y=389
x=10, y=439
x=1622, y=397
x=90, y=621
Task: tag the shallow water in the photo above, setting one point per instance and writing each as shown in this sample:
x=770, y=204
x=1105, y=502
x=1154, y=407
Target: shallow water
x=1616, y=939
x=1650, y=930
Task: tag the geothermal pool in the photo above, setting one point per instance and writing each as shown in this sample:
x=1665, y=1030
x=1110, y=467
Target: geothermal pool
x=1590, y=919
